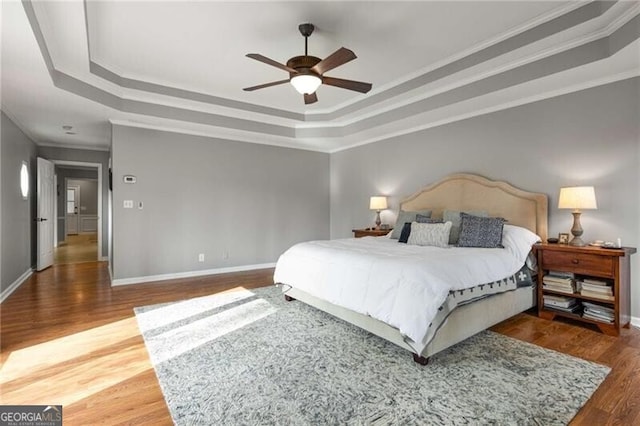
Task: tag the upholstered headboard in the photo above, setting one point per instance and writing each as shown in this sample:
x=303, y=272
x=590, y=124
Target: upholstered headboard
x=473, y=192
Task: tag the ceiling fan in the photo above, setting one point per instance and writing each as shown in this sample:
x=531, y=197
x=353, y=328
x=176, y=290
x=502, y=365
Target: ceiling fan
x=306, y=73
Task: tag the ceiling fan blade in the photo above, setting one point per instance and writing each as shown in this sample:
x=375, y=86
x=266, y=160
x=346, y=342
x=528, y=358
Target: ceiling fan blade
x=357, y=86
x=309, y=99
x=262, y=86
x=337, y=58
x=264, y=59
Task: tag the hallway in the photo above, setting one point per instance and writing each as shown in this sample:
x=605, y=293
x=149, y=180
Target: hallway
x=76, y=249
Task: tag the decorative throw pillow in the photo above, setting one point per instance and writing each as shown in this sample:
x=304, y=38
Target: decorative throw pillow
x=453, y=216
x=406, y=228
x=483, y=232
x=404, y=217
x=420, y=218
x=429, y=234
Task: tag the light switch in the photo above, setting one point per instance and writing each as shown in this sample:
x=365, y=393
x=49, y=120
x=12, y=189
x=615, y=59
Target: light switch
x=128, y=204
x=140, y=205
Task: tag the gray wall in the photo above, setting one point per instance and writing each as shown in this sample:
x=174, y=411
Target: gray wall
x=211, y=196
x=88, y=195
x=68, y=173
x=17, y=242
x=585, y=138
x=87, y=156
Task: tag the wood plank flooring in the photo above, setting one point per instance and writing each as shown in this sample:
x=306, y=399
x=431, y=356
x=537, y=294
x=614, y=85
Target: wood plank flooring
x=68, y=337
x=77, y=248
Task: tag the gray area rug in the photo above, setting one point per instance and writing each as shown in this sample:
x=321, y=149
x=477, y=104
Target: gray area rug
x=249, y=357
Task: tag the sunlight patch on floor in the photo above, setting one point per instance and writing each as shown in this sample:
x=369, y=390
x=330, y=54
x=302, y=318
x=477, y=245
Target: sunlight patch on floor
x=64, y=388
x=174, y=312
x=177, y=341
x=47, y=354
x=56, y=382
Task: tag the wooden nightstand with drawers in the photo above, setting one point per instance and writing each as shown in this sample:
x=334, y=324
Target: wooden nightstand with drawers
x=370, y=232
x=607, y=273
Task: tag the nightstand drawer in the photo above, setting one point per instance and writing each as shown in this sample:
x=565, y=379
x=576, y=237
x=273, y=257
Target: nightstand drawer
x=580, y=263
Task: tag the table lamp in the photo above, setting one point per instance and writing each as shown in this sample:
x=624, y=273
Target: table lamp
x=577, y=198
x=378, y=203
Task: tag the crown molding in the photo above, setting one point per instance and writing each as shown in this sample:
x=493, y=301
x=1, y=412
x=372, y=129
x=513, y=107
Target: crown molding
x=101, y=148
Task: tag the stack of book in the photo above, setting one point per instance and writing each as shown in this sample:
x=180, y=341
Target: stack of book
x=559, y=281
x=599, y=289
x=598, y=312
x=561, y=303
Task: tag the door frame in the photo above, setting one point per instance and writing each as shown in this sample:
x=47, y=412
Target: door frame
x=99, y=167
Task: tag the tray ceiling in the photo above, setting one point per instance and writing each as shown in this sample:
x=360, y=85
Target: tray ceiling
x=180, y=66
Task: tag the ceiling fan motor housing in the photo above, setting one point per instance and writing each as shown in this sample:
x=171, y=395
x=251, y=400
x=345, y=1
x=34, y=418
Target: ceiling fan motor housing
x=303, y=64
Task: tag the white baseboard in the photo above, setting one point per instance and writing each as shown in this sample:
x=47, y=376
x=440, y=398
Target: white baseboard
x=14, y=286
x=103, y=259
x=635, y=321
x=190, y=274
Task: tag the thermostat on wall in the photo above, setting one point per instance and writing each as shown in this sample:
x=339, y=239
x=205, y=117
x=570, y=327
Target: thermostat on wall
x=129, y=179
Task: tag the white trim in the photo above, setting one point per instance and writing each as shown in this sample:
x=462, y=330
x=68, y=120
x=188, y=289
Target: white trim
x=163, y=277
x=55, y=209
x=224, y=133
x=14, y=286
x=635, y=321
x=88, y=219
x=104, y=259
x=74, y=146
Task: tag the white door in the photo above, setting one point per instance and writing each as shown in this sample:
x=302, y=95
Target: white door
x=45, y=213
x=71, y=209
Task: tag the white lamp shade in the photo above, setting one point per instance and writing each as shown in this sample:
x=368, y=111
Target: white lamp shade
x=378, y=203
x=306, y=83
x=577, y=198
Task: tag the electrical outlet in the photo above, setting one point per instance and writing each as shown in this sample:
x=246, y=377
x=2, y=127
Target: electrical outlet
x=128, y=204
x=201, y=257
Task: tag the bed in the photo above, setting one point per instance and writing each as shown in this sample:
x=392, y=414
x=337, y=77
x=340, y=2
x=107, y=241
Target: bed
x=462, y=319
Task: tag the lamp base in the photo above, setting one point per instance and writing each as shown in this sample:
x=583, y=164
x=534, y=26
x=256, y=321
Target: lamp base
x=577, y=231
x=577, y=242
x=378, y=221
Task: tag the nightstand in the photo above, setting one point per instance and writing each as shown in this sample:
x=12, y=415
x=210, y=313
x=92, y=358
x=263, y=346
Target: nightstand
x=608, y=270
x=370, y=232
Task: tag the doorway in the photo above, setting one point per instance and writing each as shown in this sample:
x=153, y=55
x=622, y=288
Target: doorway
x=78, y=206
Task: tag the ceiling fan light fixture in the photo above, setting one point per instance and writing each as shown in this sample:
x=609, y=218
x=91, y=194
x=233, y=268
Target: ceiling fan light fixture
x=306, y=83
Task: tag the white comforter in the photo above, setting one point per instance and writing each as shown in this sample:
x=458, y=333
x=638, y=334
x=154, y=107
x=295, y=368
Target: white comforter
x=399, y=284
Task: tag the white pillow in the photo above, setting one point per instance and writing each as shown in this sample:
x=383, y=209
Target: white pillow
x=430, y=234
x=518, y=241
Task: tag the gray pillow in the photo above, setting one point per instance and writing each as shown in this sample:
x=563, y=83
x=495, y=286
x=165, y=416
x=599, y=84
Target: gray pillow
x=404, y=217
x=420, y=218
x=485, y=232
x=453, y=216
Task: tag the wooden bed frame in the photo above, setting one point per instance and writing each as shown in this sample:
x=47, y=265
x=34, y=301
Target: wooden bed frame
x=459, y=192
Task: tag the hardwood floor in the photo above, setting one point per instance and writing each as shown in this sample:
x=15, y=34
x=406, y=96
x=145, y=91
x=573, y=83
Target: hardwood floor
x=77, y=248
x=68, y=337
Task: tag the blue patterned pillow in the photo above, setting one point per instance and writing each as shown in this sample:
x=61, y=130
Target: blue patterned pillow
x=485, y=232
x=454, y=217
